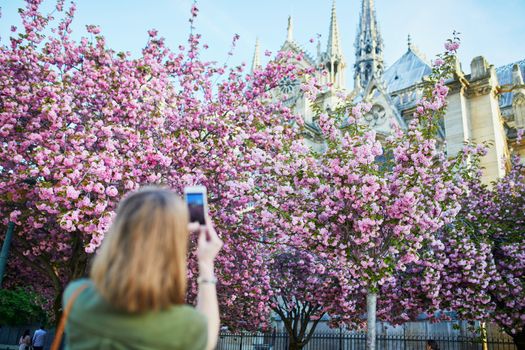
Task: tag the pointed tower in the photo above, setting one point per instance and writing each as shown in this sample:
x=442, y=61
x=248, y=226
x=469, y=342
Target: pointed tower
x=368, y=47
x=333, y=59
x=290, y=45
x=256, y=61
x=289, y=36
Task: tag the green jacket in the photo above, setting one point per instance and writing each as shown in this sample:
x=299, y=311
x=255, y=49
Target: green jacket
x=94, y=324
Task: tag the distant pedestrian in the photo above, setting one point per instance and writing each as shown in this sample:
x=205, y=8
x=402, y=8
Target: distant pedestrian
x=432, y=345
x=39, y=338
x=25, y=341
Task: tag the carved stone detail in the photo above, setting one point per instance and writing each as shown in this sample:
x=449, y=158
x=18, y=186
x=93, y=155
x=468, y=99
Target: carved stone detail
x=518, y=107
x=376, y=116
x=480, y=88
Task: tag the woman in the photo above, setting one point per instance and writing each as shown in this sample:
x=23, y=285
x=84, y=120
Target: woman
x=25, y=340
x=135, y=296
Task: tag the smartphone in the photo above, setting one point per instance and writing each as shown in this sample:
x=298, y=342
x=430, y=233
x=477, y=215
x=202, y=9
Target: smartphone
x=195, y=197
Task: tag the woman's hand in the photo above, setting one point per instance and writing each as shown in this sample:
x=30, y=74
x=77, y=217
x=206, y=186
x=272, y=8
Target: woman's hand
x=209, y=245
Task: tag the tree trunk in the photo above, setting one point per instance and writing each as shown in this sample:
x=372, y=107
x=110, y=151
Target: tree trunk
x=293, y=345
x=483, y=331
x=298, y=323
x=78, y=271
x=78, y=264
x=57, y=307
x=371, y=306
x=519, y=339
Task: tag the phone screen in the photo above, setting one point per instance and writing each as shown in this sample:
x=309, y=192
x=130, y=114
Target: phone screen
x=196, y=207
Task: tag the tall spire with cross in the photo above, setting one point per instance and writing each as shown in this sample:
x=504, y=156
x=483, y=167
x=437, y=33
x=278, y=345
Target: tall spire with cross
x=289, y=36
x=256, y=62
x=333, y=59
x=369, y=47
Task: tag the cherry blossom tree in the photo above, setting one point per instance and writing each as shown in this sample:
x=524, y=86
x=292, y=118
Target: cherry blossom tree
x=378, y=204
x=483, y=278
x=420, y=287
x=475, y=267
x=305, y=289
x=82, y=125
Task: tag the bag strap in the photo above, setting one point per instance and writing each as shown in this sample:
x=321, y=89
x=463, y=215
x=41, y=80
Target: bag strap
x=62, y=325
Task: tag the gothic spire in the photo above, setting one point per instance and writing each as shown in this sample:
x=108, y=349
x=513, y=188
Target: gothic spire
x=334, y=44
x=368, y=46
x=333, y=59
x=289, y=36
x=256, y=62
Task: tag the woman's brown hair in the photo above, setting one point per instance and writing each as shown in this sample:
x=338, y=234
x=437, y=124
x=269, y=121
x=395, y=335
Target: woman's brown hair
x=141, y=264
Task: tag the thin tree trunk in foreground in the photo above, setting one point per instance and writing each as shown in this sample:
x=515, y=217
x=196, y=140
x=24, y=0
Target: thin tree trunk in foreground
x=371, y=306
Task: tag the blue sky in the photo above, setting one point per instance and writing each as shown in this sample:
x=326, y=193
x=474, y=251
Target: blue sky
x=495, y=29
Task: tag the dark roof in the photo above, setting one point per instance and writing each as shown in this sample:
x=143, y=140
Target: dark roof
x=505, y=77
x=406, y=71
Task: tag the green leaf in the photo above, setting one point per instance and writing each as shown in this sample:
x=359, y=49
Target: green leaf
x=20, y=307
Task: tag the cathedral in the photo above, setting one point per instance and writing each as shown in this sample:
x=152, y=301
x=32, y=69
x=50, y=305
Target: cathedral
x=487, y=105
